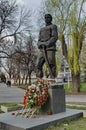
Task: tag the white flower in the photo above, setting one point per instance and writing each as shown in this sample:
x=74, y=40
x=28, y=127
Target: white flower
x=35, y=95
x=29, y=96
x=37, y=88
x=33, y=90
x=33, y=86
x=29, y=87
x=43, y=92
x=31, y=101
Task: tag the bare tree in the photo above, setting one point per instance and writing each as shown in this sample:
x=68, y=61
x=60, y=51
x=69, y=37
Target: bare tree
x=29, y=58
x=14, y=23
x=22, y=63
x=9, y=67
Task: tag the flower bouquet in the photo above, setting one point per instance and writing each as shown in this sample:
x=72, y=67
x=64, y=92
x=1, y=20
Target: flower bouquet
x=36, y=94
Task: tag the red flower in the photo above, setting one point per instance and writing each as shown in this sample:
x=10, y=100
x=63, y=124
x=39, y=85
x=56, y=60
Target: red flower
x=13, y=113
x=25, y=101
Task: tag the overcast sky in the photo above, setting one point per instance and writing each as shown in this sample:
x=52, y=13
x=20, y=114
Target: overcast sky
x=32, y=4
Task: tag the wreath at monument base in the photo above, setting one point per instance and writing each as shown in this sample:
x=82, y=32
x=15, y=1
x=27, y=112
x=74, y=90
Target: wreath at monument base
x=36, y=95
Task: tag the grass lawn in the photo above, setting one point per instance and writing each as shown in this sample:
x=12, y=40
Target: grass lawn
x=77, y=124
x=1, y=111
x=68, y=88
x=83, y=87
x=9, y=105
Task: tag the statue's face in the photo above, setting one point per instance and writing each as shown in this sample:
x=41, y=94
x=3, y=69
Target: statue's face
x=48, y=19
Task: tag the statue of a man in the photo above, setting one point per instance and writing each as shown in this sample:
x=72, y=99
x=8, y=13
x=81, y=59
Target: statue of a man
x=48, y=36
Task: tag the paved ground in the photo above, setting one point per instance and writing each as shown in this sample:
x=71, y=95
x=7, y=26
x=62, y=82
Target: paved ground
x=76, y=98
x=14, y=94
x=10, y=94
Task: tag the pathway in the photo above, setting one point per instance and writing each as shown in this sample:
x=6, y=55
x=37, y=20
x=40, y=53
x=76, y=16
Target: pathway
x=10, y=94
x=14, y=94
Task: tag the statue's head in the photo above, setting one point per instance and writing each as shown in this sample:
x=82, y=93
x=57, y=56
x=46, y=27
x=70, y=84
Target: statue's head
x=48, y=19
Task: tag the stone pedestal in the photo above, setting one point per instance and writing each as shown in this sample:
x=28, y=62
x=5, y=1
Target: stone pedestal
x=56, y=100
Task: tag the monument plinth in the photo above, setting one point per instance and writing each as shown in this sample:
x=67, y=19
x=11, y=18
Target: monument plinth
x=56, y=100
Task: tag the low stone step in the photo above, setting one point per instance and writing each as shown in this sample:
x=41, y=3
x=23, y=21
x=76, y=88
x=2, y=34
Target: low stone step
x=12, y=122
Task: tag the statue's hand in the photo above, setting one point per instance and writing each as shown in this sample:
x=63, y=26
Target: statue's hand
x=41, y=45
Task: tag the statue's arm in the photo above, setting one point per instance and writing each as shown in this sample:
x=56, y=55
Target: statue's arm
x=39, y=40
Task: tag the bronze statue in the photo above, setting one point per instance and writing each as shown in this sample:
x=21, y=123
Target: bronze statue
x=48, y=36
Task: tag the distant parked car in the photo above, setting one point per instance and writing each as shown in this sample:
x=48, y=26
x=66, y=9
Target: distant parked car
x=65, y=78
x=60, y=78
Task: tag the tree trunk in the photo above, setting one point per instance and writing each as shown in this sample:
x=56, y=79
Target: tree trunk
x=29, y=79
x=10, y=75
x=19, y=79
x=23, y=79
x=76, y=82
x=26, y=79
x=64, y=46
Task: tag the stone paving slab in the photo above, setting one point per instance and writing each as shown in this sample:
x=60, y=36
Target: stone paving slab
x=12, y=122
